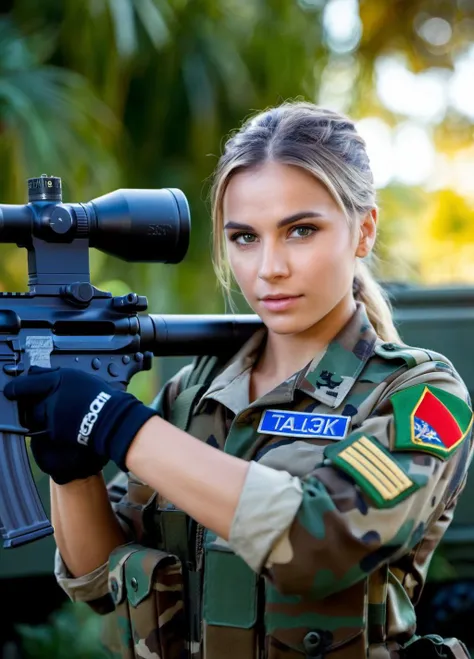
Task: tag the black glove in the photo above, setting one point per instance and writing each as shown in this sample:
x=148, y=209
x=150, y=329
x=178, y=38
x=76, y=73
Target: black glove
x=78, y=410
x=65, y=463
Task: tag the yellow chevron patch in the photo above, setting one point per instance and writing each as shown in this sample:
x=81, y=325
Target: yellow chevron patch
x=374, y=469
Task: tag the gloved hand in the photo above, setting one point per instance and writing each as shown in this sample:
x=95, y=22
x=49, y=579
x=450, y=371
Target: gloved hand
x=65, y=463
x=78, y=410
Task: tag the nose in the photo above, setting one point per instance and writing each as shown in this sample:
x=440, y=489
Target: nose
x=274, y=263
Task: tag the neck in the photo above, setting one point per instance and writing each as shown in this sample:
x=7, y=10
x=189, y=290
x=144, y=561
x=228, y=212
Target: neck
x=285, y=354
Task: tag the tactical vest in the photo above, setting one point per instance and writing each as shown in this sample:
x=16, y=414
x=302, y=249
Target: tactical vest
x=168, y=607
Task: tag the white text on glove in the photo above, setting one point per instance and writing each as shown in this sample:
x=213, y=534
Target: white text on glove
x=90, y=418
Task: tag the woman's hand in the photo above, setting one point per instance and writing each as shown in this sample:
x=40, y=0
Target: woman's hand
x=73, y=410
x=63, y=462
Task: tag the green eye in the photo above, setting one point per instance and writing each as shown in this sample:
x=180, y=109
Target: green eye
x=243, y=238
x=303, y=232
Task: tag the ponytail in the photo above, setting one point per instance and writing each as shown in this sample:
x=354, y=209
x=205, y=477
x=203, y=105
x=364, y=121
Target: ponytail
x=376, y=302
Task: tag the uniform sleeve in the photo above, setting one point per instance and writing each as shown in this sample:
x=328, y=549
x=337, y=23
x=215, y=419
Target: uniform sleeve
x=370, y=500
x=93, y=588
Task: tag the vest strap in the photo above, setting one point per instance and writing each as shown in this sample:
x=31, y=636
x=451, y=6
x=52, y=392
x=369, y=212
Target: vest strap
x=182, y=407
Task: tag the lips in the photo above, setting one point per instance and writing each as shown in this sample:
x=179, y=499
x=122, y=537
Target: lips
x=279, y=302
x=278, y=296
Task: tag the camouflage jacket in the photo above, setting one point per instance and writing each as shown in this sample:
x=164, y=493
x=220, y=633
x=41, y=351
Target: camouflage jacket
x=357, y=462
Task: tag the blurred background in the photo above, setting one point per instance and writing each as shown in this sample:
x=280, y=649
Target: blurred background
x=114, y=94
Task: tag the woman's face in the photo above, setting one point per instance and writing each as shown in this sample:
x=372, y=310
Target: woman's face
x=289, y=246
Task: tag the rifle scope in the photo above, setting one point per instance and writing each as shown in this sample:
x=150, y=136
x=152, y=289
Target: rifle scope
x=135, y=225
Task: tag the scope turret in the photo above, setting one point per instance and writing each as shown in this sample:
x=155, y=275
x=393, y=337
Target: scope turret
x=149, y=225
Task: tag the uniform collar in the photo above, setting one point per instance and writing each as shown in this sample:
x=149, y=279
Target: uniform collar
x=231, y=386
x=328, y=378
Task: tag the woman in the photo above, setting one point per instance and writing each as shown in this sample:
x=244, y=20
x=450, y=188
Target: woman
x=318, y=469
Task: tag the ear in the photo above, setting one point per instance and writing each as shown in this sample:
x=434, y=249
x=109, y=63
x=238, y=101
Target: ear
x=367, y=233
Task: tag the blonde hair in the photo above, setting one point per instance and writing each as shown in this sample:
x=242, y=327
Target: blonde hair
x=327, y=145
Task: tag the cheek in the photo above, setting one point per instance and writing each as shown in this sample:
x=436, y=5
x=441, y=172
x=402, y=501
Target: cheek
x=331, y=251
x=342, y=242
x=242, y=267
x=331, y=263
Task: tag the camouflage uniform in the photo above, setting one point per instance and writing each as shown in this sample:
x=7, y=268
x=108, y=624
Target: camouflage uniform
x=332, y=537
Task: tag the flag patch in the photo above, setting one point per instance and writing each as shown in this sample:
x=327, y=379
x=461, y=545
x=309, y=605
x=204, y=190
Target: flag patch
x=429, y=419
x=303, y=424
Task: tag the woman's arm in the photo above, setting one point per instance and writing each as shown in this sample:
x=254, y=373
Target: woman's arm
x=86, y=529
x=199, y=479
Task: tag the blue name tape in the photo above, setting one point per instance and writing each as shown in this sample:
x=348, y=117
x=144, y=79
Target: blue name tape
x=303, y=424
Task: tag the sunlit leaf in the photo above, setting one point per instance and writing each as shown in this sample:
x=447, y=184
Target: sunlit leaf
x=153, y=21
x=123, y=17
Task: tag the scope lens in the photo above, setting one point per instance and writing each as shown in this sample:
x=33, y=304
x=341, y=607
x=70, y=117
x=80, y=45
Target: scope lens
x=151, y=226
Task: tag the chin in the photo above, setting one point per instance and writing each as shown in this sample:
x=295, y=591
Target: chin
x=287, y=324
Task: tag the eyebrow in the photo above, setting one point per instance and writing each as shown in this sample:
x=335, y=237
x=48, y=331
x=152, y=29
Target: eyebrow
x=282, y=223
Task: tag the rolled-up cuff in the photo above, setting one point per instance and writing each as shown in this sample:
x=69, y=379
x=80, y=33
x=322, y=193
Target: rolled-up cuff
x=89, y=587
x=267, y=507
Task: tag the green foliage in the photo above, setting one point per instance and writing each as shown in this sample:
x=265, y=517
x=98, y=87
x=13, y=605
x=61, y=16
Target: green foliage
x=49, y=116
x=73, y=632
x=139, y=93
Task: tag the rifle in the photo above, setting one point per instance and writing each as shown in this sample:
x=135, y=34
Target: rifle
x=64, y=320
